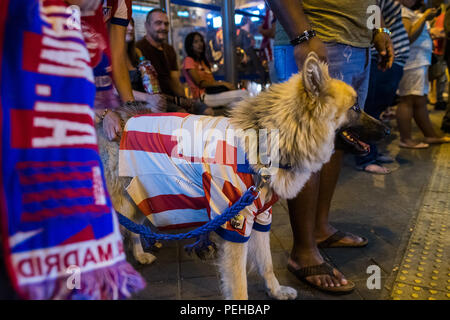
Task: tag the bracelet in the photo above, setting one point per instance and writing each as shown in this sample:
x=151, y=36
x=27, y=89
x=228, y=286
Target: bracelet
x=382, y=30
x=104, y=114
x=305, y=36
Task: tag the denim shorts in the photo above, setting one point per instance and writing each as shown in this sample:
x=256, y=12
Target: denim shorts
x=346, y=63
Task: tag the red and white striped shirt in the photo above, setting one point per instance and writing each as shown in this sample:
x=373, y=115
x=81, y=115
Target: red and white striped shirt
x=185, y=172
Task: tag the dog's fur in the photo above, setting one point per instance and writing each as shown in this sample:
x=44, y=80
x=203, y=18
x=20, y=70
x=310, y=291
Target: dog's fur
x=307, y=110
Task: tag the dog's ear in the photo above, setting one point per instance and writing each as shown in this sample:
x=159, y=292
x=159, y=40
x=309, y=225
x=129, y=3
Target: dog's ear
x=315, y=74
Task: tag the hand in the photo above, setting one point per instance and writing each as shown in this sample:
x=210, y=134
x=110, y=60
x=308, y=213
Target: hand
x=437, y=33
x=112, y=125
x=302, y=50
x=430, y=14
x=383, y=45
x=157, y=102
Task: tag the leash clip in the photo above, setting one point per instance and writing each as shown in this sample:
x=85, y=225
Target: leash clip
x=253, y=189
x=264, y=173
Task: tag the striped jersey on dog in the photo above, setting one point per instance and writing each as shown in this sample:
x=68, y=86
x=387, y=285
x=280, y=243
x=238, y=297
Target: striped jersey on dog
x=187, y=169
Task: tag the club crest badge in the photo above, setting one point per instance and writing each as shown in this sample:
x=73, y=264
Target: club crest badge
x=238, y=222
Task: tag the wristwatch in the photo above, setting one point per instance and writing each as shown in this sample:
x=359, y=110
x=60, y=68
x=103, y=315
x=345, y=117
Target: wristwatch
x=305, y=36
x=379, y=30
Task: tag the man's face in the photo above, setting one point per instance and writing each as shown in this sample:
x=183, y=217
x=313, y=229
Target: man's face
x=158, y=27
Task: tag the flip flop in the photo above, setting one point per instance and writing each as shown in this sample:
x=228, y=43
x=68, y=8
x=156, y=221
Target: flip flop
x=419, y=145
x=320, y=269
x=365, y=169
x=338, y=235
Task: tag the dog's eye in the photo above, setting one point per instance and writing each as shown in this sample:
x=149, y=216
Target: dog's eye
x=356, y=108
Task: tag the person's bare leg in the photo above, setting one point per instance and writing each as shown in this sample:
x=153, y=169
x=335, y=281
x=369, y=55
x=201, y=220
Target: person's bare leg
x=404, y=116
x=422, y=118
x=302, y=213
x=328, y=180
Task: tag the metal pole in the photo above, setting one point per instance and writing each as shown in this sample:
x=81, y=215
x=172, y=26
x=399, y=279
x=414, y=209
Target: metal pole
x=229, y=40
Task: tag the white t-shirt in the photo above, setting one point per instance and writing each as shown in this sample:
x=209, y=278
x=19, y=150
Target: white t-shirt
x=422, y=48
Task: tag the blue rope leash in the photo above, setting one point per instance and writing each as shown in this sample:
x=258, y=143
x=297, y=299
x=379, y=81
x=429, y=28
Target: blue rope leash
x=149, y=236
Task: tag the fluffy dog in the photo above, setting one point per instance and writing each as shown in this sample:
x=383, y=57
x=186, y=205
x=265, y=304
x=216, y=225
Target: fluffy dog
x=307, y=111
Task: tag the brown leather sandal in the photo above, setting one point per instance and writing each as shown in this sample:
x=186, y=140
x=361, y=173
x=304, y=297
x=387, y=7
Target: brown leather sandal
x=338, y=235
x=321, y=269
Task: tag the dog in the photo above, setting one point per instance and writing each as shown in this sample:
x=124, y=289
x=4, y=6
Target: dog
x=307, y=111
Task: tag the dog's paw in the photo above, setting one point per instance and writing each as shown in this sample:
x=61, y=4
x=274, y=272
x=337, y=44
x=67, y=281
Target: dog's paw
x=283, y=293
x=145, y=258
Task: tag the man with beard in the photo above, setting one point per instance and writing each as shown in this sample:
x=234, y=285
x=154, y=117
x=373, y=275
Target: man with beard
x=162, y=56
x=155, y=48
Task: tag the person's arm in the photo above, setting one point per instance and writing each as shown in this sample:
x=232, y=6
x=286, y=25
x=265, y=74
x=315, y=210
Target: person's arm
x=204, y=83
x=415, y=29
x=121, y=76
x=111, y=120
x=383, y=44
x=176, y=84
x=292, y=18
x=270, y=33
x=437, y=33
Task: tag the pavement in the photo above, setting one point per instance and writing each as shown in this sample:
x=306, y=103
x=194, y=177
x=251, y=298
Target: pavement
x=405, y=215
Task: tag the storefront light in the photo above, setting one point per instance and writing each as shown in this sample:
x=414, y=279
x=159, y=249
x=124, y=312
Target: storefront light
x=183, y=14
x=238, y=18
x=143, y=9
x=217, y=22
